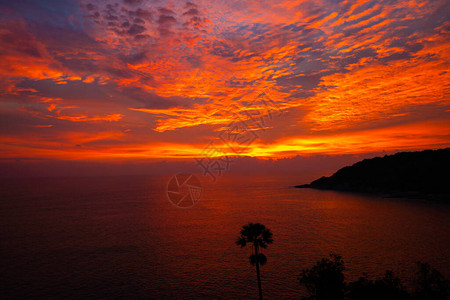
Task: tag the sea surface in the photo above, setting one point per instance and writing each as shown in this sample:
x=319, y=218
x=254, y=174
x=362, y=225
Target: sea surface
x=120, y=237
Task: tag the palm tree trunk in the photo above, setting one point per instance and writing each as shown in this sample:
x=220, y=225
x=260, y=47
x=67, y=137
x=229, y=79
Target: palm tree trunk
x=257, y=273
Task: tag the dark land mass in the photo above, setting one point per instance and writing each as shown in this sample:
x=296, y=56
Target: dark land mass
x=417, y=175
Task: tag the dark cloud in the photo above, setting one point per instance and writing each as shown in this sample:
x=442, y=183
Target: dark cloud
x=191, y=12
x=307, y=82
x=195, y=61
x=221, y=48
x=136, y=58
x=352, y=58
x=142, y=37
x=112, y=7
x=83, y=65
x=16, y=38
x=166, y=11
x=136, y=29
x=165, y=32
x=190, y=5
x=120, y=73
x=153, y=101
x=396, y=56
x=132, y=2
x=414, y=47
x=19, y=123
x=73, y=90
x=196, y=23
x=111, y=18
x=165, y=20
x=140, y=13
x=165, y=25
x=90, y=7
x=296, y=27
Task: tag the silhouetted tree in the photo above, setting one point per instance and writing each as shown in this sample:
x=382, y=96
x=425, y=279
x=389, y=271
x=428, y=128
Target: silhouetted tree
x=387, y=288
x=430, y=284
x=325, y=280
x=362, y=289
x=259, y=237
x=390, y=287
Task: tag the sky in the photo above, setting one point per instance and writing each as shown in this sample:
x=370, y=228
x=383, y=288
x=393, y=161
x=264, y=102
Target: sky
x=131, y=80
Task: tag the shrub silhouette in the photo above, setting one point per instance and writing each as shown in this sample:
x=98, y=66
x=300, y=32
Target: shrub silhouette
x=388, y=288
x=430, y=284
x=325, y=281
x=362, y=289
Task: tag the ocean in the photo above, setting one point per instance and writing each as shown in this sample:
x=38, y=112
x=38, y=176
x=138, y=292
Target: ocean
x=120, y=237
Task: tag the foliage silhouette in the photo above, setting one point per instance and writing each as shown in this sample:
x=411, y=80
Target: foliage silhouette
x=388, y=288
x=325, y=281
x=259, y=237
x=430, y=284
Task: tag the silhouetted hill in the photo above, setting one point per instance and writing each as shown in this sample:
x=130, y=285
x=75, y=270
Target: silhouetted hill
x=424, y=175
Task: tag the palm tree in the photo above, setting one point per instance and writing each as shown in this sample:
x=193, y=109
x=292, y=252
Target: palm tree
x=259, y=236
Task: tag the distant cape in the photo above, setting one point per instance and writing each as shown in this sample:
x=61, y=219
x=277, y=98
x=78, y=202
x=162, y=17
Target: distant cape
x=419, y=175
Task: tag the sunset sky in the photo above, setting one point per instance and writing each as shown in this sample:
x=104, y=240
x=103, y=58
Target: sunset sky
x=130, y=79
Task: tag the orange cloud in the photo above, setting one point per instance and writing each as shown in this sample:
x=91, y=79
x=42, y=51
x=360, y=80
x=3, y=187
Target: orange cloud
x=377, y=91
x=83, y=118
x=424, y=135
